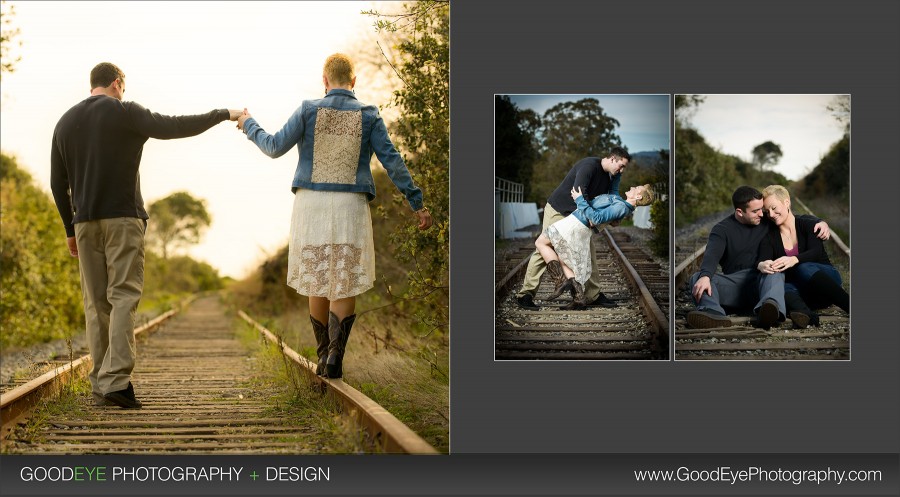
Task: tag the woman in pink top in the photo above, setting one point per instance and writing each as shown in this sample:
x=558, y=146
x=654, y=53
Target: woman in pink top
x=793, y=248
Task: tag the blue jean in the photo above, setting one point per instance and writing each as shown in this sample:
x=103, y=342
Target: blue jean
x=742, y=290
x=797, y=280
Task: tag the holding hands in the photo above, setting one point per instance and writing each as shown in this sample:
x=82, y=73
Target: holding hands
x=242, y=117
x=779, y=265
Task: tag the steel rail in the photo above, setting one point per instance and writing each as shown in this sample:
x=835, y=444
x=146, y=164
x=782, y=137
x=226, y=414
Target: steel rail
x=510, y=277
x=681, y=271
x=834, y=237
x=657, y=319
x=388, y=432
x=17, y=403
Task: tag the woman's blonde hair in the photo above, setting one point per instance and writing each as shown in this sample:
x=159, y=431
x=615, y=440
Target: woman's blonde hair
x=779, y=191
x=647, y=197
x=339, y=69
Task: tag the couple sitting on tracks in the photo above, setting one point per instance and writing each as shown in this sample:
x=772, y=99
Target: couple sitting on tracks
x=772, y=261
x=95, y=157
x=565, y=247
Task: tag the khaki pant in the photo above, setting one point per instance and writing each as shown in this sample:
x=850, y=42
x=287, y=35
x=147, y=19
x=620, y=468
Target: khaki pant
x=111, y=257
x=536, y=264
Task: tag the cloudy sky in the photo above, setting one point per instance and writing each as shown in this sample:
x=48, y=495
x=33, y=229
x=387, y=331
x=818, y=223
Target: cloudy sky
x=644, y=119
x=187, y=58
x=799, y=124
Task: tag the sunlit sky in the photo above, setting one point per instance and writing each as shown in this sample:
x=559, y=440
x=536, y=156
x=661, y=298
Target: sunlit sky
x=799, y=124
x=187, y=58
x=644, y=119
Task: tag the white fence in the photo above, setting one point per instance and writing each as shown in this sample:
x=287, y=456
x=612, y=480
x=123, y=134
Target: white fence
x=511, y=213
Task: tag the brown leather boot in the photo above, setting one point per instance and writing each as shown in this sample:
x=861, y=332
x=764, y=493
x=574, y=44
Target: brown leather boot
x=320, y=330
x=338, y=334
x=578, y=299
x=558, y=277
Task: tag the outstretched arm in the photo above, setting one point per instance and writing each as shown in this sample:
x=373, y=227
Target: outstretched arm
x=162, y=127
x=278, y=144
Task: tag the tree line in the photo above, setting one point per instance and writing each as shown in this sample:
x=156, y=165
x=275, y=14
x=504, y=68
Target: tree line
x=705, y=178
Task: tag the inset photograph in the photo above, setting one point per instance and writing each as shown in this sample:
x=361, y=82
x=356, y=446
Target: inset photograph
x=762, y=227
x=581, y=227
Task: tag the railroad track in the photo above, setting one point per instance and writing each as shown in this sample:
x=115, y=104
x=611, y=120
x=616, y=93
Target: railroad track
x=742, y=341
x=192, y=378
x=636, y=329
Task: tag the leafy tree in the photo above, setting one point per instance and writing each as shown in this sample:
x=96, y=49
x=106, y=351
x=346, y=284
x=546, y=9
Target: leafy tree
x=839, y=107
x=514, y=143
x=705, y=178
x=423, y=135
x=571, y=131
x=8, y=35
x=177, y=220
x=766, y=155
x=831, y=175
x=659, y=210
x=685, y=108
x=40, y=295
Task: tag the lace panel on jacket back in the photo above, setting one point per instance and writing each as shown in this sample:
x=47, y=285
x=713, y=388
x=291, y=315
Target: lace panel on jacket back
x=336, y=145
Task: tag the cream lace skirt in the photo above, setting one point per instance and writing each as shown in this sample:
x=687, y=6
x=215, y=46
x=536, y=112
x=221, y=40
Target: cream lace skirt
x=331, y=252
x=572, y=242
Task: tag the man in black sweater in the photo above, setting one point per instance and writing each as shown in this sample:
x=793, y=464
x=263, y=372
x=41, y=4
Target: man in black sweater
x=594, y=176
x=733, y=243
x=94, y=159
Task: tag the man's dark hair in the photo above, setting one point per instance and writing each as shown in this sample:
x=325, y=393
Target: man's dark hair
x=743, y=195
x=104, y=73
x=619, y=152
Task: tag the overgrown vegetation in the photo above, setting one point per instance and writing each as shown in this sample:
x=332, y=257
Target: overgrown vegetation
x=294, y=396
x=40, y=283
x=73, y=400
x=422, y=133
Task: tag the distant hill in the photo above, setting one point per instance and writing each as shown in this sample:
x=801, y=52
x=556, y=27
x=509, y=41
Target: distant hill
x=645, y=164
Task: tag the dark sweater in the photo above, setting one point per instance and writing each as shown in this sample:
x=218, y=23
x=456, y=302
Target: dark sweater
x=811, y=247
x=586, y=174
x=735, y=246
x=96, y=152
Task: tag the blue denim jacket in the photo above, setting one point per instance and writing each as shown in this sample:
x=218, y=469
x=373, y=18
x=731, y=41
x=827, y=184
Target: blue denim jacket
x=336, y=137
x=604, y=208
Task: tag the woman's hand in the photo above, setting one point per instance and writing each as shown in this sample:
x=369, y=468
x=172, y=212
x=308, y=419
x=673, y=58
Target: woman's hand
x=784, y=263
x=575, y=193
x=243, y=117
x=765, y=267
x=822, y=230
x=425, y=220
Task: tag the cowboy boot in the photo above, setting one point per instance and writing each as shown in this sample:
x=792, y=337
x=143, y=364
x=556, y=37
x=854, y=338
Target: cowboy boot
x=321, y=333
x=338, y=334
x=558, y=276
x=578, y=299
x=801, y=315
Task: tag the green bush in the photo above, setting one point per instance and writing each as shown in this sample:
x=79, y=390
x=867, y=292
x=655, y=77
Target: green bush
x=39, y=282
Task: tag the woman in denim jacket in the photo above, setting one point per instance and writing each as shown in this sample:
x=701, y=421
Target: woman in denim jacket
x=332, y=252
x=565, y=244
